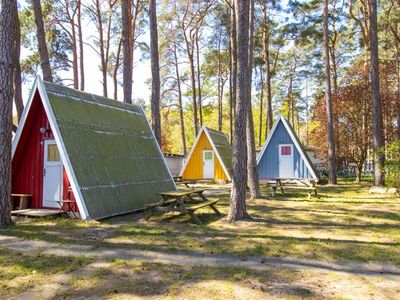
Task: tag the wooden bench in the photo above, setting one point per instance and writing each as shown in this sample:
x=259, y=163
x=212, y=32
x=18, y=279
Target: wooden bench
x=24, y=201
x=309, y=185
x=181, y=201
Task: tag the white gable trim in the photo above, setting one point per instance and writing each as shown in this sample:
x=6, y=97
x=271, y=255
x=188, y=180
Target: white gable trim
x=271, y=133
x=217, y=153
x=21, y=123
x=63, y=152
x=158, y=147
x=192, y=150
x=294, y=140
x=203, y=128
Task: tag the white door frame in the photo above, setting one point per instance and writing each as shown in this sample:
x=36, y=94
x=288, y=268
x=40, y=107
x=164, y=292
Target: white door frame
x=209, y=173
x=57, y=179
x=287, y=168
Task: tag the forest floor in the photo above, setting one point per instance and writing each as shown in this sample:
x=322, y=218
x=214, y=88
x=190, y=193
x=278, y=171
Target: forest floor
x=344, y=245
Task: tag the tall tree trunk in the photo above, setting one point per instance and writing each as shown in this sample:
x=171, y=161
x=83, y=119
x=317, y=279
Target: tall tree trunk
x=261, y=106
x=377, y=124
x=180, y=102
x=41, y=39
x=198, y=73
x=230, y=94
x=75, y=70
x=102, y=47
x=268, y=105
x=19, y=104
x=194, y=97
x=398, y=85
x=237, y=208
x=116, y=68
x=155, y=73
x=127, y=49
x=234, y=52
x=81, y=56
x=328, y=100
x=8, y=35
x=220, y=87
x=252, y=172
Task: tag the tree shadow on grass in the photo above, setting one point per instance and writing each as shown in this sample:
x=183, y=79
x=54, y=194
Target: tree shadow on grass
x=147, y=279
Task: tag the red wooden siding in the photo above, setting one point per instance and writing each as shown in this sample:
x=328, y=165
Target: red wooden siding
x=27, y=164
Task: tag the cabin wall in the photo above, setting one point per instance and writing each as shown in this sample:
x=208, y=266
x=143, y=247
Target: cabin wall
x=27, y=163
x=268, y=166
x=175, y=164
x=194, y=168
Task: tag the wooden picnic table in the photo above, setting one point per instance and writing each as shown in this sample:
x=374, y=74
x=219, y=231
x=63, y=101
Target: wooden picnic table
x=179, y=180
x=181, y=201
x=309, y=185
x=186, y=183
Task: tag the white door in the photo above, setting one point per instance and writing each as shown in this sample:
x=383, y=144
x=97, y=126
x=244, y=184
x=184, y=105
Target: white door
x=208, y=164
x=286, y=161
x=52, y=175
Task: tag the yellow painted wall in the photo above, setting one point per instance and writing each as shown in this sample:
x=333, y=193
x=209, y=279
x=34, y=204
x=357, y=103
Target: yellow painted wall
x=194, y=168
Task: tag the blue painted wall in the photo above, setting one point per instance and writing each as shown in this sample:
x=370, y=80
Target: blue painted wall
x=268, y=166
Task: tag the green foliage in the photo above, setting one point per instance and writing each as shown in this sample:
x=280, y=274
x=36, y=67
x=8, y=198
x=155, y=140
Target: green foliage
x=393, y=164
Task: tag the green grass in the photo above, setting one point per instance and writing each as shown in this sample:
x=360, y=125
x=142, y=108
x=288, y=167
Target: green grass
x=20, y=272
x=146, y=279
x=345, y=223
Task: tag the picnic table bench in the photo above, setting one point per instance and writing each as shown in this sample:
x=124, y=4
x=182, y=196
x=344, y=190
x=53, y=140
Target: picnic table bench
x=181, y=201
x=309, y=185
x=179, y=180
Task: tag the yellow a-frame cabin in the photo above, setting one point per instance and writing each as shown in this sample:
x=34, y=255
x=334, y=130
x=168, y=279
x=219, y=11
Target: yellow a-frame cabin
x=210, y=157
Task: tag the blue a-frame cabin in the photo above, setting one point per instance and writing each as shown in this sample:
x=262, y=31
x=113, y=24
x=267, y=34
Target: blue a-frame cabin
x=283, y=156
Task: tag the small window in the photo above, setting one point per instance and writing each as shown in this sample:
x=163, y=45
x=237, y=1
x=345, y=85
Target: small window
x=286, y=150
x=52, y=153
x=208, y=155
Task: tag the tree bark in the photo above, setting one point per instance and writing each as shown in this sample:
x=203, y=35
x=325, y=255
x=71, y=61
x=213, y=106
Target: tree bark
x=268, y=105
x=377, y=123
x=8, y=35
x=102, y=47
x=234, y=52
x=230, y=94
x=198, y=73
x=328, y=100
x=127, y=49
x=18, y=100
x=180, y=102
x=155, y=72
x=75, y=70
x=261, y=106
x=41, y=39
x=81, y=53
x=237, y=208
x=220, y=86
x=252, y=172
x=116, y=68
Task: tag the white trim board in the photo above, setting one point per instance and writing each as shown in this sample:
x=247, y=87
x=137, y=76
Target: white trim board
x=39, y=86
x=294, y=140
x=63, y=152
x=203, y=128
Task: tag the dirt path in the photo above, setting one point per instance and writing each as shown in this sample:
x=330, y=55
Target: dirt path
x=325, y=279
x=257, y=263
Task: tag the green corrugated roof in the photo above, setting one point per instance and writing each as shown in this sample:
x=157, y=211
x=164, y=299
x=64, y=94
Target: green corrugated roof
x=223, y=146
x=114, y=156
